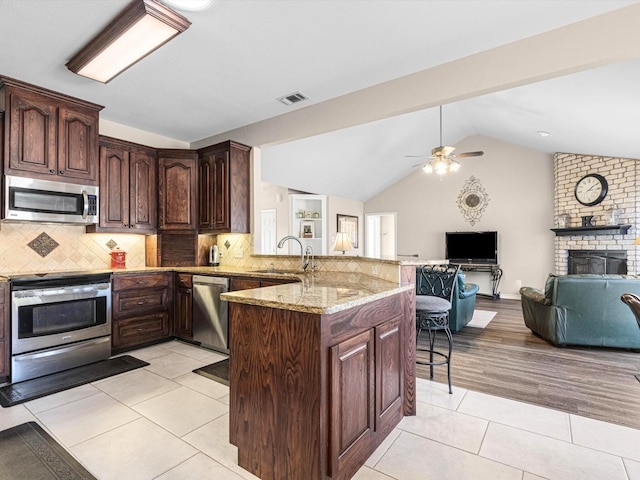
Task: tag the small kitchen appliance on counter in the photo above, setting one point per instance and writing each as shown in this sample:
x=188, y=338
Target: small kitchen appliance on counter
x=213, y=256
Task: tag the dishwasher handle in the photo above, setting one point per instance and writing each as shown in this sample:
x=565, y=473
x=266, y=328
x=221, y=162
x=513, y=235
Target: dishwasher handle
x=206, y=280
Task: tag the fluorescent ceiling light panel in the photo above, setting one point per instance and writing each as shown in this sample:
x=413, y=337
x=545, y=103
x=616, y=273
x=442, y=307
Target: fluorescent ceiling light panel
x=191, y=5
x=140, y=29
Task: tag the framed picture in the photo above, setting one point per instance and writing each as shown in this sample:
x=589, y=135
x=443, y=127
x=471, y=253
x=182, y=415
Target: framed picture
x=349, y=224
x=307, y=230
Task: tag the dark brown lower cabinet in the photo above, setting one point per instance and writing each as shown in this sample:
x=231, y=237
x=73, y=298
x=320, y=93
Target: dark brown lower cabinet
x=183, y=316
x=5, y=322
x=324, y=389
x=142, y=309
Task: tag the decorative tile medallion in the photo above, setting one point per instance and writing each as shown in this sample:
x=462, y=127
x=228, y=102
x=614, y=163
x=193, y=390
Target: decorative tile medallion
x=227, y=244
x=43, y=244
x=111, y=244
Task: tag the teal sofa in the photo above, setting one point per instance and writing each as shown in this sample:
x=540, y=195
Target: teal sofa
x=583, y=310
x=463, y=303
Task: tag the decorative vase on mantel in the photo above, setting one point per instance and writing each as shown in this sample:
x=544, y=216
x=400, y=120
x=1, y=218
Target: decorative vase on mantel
x=564, y=220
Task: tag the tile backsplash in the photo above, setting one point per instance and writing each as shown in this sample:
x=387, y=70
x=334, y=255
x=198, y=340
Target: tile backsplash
x=76, y=250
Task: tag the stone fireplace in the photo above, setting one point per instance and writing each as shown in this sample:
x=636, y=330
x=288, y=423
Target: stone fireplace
x=600, y=247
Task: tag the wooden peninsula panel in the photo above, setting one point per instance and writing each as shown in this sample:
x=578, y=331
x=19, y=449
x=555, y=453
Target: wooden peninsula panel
x=312, y=395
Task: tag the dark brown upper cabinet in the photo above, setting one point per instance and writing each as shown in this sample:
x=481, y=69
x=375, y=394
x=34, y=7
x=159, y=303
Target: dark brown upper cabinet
x=224, y=188
x=177, y=184
x=128, y=188
x=49, y=135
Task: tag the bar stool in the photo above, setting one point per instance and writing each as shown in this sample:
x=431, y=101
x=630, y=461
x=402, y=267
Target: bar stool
x=434, y=292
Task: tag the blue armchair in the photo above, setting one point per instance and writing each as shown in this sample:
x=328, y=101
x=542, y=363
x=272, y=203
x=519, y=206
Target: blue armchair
x=463, y=303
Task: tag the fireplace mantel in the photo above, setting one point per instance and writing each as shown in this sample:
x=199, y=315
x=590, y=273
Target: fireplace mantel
x=595, y=230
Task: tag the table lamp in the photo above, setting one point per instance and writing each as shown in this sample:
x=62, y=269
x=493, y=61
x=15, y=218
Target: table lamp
x=342, y=242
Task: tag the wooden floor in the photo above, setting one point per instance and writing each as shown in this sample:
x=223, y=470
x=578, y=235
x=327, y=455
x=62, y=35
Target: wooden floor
x=507, y=360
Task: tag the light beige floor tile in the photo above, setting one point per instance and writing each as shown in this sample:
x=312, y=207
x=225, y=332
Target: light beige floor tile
x=412, y=457
x=60, y=398
x=194, y=351
x=203, y=385
x=199, y=466
x=77, y=421
x=149, y=353
x=366, y=473
x=446, y=426
x=436, y=393
x=544, y=421
x=139, y=450
x=173, y=365
x=382, y=449
x=548, y=457
x=606, y=437
x=16, y=415
x=226, y=399
x=182, y=410
x=136, y=386
x=633, y=469
x=213, y=440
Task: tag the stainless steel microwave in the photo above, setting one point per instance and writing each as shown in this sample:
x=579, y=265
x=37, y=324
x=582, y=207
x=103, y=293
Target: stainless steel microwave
x=28, y=199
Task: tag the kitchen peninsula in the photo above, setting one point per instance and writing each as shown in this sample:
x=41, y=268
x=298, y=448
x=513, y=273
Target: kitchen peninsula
x=321, y=372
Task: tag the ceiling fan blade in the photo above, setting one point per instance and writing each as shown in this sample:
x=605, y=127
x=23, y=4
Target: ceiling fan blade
x=414, y=156
x=467, y=154
x=421, y=164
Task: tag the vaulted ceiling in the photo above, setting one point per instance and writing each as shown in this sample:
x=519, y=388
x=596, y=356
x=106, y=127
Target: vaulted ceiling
x=227, y=70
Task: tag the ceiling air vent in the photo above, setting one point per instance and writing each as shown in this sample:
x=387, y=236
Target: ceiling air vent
x=293, y=98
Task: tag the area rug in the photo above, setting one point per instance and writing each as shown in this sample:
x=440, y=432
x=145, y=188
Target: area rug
x=27, y=452
x=218, y=372
x=481, y=318
x=74, y=377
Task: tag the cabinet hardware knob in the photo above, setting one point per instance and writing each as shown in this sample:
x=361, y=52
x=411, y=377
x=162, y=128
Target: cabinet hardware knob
x=61, y=172
x=142, y=303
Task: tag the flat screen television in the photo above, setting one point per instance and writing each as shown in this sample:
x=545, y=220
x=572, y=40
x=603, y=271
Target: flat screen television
x=471, y=247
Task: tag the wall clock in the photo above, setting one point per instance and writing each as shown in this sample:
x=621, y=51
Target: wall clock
x=591, y=189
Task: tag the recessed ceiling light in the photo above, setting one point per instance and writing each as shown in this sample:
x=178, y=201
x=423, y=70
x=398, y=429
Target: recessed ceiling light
x=543, y=134
x=190, y=5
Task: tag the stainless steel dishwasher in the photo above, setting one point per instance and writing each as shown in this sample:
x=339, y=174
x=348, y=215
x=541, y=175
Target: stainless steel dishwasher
x=210, y=314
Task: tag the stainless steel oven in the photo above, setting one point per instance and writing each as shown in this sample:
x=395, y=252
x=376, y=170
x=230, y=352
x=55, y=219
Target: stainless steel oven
x=59, y=322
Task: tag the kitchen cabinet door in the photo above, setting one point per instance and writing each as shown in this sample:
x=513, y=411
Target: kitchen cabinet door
x=143, y=191
x=224, y=188
x=51, y=136
x=183, y=317
x=177, y=185
x=114, y=188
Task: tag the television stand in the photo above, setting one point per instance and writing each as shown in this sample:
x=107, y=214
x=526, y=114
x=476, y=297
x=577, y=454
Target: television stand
x=492, y=268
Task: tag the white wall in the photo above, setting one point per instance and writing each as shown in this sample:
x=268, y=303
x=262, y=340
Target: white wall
x=519, y=183
x=344, y=206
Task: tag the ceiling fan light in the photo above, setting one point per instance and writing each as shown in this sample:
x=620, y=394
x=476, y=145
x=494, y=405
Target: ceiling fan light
x=428, y=168
x=454, y=167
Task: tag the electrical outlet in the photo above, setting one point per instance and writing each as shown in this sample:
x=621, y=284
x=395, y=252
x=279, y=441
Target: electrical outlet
x=239, y=253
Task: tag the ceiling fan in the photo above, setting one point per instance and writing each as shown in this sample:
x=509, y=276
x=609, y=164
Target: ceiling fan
x=443, y=159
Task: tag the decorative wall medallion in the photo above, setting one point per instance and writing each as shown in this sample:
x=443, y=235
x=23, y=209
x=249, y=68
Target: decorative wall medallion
x=43, y=244
x=472, y=200
x=111, y=244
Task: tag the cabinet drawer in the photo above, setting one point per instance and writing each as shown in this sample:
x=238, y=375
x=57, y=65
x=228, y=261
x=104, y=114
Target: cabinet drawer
x=127, y=282
x=136, y=302
x=184, y=280
x=244, y=284
x=140, y=330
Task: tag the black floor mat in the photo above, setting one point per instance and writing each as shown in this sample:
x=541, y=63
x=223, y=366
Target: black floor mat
x=218, y=371
x=28, y=452
x=56, y=382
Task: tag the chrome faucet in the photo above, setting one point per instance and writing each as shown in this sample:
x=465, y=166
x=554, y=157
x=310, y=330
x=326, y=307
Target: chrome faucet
x=303, y=264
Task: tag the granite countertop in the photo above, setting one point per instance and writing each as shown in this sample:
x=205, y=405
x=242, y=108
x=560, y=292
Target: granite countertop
x=321, y=292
